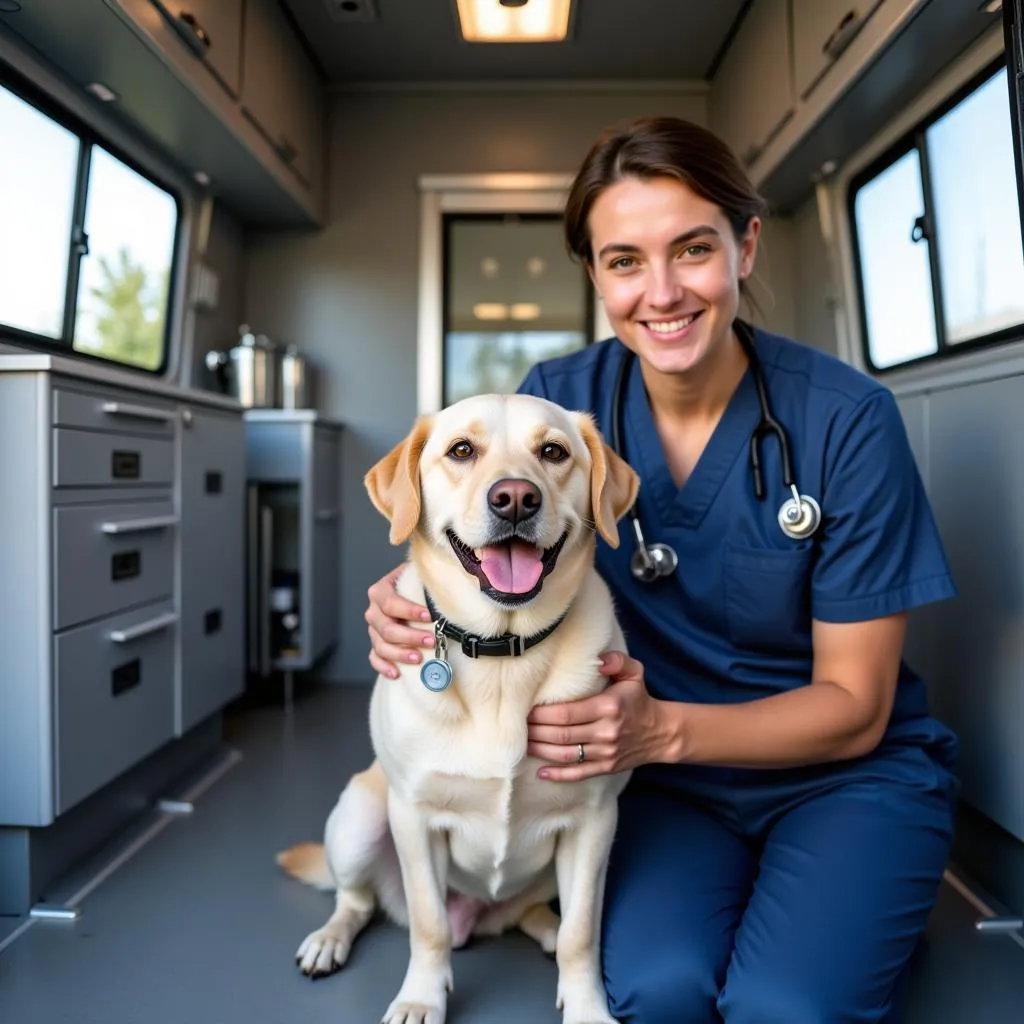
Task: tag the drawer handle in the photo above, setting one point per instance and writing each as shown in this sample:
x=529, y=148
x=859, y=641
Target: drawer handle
x=137, y=412
x=139, y=525
x=843, y=35
x=126, y=636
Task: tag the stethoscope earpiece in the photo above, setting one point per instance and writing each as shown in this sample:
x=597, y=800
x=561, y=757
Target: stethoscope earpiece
x=799, y=516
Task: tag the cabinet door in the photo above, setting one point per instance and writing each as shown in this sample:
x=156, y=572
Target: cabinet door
x=212, y=623
x=280, y=91
x=752, y=96
x=325, y=568
x=822, y=29
x=213, y=29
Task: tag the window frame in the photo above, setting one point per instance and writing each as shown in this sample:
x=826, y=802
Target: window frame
x=35, y=96
x=914, y=139
x=448, y=218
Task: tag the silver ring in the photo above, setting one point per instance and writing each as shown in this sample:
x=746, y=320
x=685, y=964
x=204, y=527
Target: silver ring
x=579, y=756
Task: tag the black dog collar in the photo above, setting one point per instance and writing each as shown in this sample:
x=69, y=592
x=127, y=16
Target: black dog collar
x=508, y=645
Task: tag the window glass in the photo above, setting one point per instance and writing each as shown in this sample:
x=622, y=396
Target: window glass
x=895, y=272
x=123, y=288
x=37, y=196
x=512, y=297
x=978, y=226
x=938, y=233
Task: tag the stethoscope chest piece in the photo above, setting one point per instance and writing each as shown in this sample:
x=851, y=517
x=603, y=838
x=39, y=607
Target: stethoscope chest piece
x=653, y=561
x=799, y=516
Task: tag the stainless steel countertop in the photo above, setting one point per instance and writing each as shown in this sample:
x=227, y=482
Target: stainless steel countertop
x=292, y=416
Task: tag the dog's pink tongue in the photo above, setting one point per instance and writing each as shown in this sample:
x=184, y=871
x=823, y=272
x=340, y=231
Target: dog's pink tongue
x=512, y=568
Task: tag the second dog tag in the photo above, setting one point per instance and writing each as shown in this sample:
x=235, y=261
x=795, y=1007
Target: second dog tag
x=436, y=673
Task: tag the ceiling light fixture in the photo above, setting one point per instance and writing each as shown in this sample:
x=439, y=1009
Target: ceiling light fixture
x=490, y=311
x=525, y=311
x=514, y=21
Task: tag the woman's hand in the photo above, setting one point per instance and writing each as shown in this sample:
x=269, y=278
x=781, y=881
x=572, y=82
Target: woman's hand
x=391, y=641
x=621, y=728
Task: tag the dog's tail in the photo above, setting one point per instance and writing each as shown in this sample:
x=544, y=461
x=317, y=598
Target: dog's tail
x=308, y=863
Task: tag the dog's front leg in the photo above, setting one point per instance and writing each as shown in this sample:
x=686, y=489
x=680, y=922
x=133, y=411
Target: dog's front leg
x=581, y=860
x=423, y=855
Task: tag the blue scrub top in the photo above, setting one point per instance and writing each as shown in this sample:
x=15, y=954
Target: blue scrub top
x=734, y=622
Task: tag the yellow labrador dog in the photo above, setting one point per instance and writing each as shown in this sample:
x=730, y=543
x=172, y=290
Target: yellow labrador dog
x=450, y=830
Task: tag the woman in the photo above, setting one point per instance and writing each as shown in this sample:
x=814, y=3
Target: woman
x=783, y=837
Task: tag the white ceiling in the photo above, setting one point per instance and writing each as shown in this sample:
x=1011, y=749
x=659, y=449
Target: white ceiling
x=418, y=40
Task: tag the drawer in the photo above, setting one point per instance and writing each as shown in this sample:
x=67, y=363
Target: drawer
x=110, y=557
x=112, y=411
x=114, y=684
x=82, y=458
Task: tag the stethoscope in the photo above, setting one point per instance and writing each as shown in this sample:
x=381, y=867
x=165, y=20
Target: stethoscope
x=799, y=515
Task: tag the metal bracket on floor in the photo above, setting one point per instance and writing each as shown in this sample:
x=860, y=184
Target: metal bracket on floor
x=999, y=925
x=180, y=807
x=55, y=912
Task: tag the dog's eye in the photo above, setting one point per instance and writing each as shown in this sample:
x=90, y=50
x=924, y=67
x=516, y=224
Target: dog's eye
x=461, y=451
x=552, y=452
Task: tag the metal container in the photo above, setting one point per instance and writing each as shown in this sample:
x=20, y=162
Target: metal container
x=249, y=371
x=296, y=380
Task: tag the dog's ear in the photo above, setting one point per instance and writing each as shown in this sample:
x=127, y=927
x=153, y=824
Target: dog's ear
x=613, y=482
x=394, y=483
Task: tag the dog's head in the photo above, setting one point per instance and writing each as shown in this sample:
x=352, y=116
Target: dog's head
x=506, y=487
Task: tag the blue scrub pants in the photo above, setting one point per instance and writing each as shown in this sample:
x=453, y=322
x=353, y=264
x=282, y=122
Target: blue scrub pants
x=777, y=896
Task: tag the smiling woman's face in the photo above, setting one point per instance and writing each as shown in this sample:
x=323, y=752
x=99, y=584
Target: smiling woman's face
x=668, y=266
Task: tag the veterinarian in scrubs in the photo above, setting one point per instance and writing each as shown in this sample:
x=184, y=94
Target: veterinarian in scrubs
x=783, y=837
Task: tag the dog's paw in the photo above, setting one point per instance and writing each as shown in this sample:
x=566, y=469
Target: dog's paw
x=322, y=952
x=584, y=1007
x=401, y=1012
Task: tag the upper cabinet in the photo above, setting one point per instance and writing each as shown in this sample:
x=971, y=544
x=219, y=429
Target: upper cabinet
x=280, y=93
x=747, y=117
x=805, y=83
x=822, y=30
x=225, y=87
x=212, y=29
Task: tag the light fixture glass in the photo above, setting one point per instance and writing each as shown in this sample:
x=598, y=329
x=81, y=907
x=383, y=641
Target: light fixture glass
x=490, y=311
x=537, y=21
x=525, y=311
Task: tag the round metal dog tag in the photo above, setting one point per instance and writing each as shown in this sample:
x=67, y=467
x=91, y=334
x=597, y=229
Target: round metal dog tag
x=436, y=674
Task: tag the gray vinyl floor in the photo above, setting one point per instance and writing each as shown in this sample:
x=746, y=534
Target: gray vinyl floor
x=196, y=924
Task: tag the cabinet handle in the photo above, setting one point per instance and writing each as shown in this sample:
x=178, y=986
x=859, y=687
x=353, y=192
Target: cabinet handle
x=126, y=636
x=137, y=412
x=843, y=34
x=116, y=527
x=324, y=515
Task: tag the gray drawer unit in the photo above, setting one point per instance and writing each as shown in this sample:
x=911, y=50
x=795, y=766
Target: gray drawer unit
x=84, y=458
x=109, y=557
x=112, y=410
x=212, y=472
x=98, y=480
x=114, y=696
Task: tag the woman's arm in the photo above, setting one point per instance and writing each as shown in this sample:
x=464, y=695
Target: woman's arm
x=842, y=713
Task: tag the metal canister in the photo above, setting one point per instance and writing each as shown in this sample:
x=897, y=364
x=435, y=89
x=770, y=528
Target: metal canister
x=296, y=382
x=249, y=371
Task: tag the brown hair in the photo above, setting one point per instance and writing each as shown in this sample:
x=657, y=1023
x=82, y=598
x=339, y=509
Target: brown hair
x=660, y=147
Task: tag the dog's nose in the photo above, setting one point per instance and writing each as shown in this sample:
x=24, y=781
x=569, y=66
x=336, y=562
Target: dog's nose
x=514, y=500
